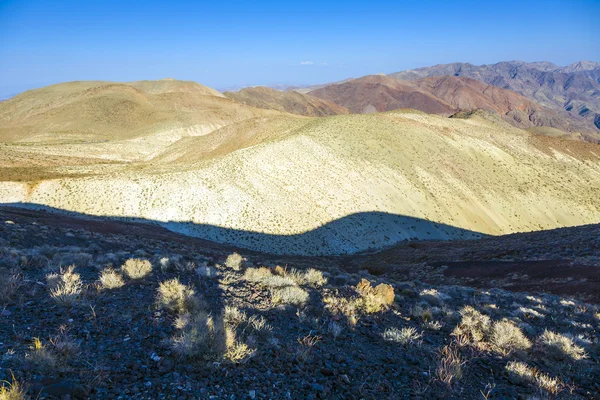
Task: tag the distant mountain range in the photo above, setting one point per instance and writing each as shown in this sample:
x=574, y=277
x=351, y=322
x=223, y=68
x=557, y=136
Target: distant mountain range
x=574, y=88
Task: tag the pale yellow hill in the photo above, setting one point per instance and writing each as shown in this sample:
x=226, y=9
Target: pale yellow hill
x=116, y=121
x=342, y=184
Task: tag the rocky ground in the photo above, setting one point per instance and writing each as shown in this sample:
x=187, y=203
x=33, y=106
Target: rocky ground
x=97, y=309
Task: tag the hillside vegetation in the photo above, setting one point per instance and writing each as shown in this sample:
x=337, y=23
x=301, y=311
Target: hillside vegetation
x=341, y=184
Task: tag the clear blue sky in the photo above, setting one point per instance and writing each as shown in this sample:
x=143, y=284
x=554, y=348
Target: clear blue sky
x=229, y=43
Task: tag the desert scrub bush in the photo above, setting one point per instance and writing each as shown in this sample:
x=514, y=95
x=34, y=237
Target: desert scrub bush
x=374, y=299
x=340, y=306
x=449, y=366
x=433, y=297
x=66, y=286
x=110, y=279
x=473, y=327
x=521, y=374
x=421, y=311
x=404, y=336
x=12, y=390
x=257, y=274
x=311, y=277
x=201, y=338
x=175, y=296
x=507, y=338
x=234, y=261
x=264, y=276
x=207, y=338
x=10, y=281
x=64, y=346
x=41, y=357
x=136, y=268
x=560, y=347
x=289, y=295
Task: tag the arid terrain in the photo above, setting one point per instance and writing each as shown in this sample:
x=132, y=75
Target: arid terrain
x=106, y=309
x=181, y=155
x=420, y=235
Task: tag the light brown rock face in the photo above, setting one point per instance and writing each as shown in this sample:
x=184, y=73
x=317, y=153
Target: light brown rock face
x=287, y=101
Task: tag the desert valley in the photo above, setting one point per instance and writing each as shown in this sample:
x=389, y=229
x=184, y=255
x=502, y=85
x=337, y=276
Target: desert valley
x=230, y=200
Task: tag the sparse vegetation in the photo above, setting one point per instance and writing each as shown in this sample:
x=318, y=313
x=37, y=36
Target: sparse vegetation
x=560, y=347
x=136, y=268
x=10, y=281
x=174, y=296
x=289, y=295
x=234, y=261
x=12, y=390
x=66, y=286
x=110, y=279
x=507, y=338
x=404, y=336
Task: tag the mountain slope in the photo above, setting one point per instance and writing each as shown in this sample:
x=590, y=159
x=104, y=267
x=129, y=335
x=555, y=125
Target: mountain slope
x=574, y=88
x=286, y=101
x=447, y=95
x=125, y=120
x=377, y=93
x=386, y=177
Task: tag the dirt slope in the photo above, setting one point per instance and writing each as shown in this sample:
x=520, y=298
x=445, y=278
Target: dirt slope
x=286, y=101
x=342, y=184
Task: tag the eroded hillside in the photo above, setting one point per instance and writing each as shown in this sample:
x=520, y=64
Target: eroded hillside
x=340, y=184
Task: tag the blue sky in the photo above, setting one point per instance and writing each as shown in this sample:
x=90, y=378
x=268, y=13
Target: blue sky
x=231, y=43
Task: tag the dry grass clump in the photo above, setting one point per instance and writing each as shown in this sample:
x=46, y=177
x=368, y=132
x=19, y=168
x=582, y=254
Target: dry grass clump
x=374, y=299
x=404, y=336
x=340, y=306
x=311, y=277
x=521, y=373
x=66, y=286
x=507, y=338
x=449, y=366
x=560, y=347
x=41, y=357
x=234, y=261
x=208, y=338
x=137, y=268
x=473, y=328
x=257, y=274
x=110, y=279
x=175, y=296
x=421, y=311
x=10, y=281
x=289, y=295
x=12, y=391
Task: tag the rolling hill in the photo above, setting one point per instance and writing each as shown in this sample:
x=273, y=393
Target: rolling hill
x=286, y=101
x=290, y=184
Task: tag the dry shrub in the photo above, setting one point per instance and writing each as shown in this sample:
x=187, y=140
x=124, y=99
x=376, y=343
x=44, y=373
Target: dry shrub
x=507, y=338
x=10, y=281
x=12, y=390
x=311, y=277
x=340, y=306
x=374, y=299
x=474, y=327
x=175, y=296
x=234, y=261
x=110, y=279
x=207, y=338
x=65, y=347
x=289, y=295
x=449, y=366
x=66, y=286
x=137, y=268
x=404, y=336
x=205, y=271
x=560, y=347
x=41, y=357
x=521, y=373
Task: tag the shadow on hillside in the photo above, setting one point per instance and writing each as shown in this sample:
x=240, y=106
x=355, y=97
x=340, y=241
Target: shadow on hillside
x=359, y=232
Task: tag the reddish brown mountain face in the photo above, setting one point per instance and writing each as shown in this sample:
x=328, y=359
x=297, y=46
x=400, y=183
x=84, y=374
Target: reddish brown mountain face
x=447, y=95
